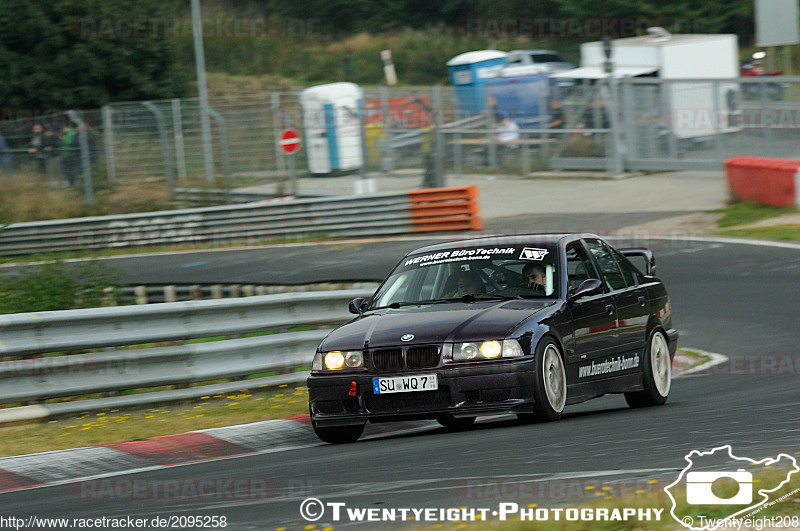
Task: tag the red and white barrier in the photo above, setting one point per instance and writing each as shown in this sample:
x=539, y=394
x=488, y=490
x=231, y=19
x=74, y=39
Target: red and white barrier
x=764, y=180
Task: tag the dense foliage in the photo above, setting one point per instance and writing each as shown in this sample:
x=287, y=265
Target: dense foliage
x=55, y=54
x=52, y=54
x=58, y=286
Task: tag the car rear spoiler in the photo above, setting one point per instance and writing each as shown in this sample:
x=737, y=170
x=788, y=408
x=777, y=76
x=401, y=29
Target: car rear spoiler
x=647, y=254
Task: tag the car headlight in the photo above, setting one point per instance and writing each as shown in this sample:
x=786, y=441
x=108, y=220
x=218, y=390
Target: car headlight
x=492, y=349
x=336, y=360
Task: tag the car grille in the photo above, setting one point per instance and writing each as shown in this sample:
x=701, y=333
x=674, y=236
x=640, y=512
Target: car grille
x=422, y=357
x=419, y=400
x=388, y=360
x=396, y=360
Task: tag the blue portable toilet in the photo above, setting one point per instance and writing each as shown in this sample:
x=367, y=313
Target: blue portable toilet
x=521, y=98
x=469, y=73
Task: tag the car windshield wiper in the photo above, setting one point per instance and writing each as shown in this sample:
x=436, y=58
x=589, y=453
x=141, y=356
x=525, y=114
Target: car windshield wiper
x=463, y=298
x=400, y=304
x=480, y=297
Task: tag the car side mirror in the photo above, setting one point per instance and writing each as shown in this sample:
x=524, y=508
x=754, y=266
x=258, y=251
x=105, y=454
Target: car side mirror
x=588, y=287
x=645, y=254
x=357, y=305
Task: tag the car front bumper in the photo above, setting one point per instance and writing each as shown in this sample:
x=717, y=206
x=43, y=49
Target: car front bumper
x=672, y=341
x=465, y=391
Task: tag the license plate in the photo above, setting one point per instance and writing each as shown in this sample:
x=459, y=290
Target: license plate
x=405, y=384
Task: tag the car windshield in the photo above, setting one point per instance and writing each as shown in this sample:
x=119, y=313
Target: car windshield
x=546, y=58
x=471, y=274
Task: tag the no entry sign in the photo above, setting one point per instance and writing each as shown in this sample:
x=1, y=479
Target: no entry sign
x=289, y=141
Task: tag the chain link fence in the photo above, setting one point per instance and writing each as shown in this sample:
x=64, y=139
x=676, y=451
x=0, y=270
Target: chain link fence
x=629, y=124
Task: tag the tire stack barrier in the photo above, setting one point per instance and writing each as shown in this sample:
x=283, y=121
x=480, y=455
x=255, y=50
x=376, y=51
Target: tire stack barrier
x=764, y=180
x=445, y=209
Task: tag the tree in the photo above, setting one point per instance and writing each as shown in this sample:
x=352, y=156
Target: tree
x=64, y=54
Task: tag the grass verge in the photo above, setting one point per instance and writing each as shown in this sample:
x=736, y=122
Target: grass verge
x=747, y=212
x=776, y=232
x=115, y=426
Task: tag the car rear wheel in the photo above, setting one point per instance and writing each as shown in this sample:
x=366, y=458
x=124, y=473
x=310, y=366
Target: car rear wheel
x=339, y=434
x=550, y=388
x=455, y=423
x=657, y=374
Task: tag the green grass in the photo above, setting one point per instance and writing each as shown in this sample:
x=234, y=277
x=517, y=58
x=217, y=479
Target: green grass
x=114, y=426
x=748, y=212
x=777, y=232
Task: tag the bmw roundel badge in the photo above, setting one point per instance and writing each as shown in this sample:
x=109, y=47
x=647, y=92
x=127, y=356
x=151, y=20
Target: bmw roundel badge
x=406, y=337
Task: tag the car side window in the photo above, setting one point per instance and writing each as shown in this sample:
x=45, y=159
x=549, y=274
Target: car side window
x=612, y=275
x=579, y=266
x=628, y=270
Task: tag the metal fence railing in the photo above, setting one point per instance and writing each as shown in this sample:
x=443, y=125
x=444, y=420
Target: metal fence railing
x=75, y=353
x=625, y=124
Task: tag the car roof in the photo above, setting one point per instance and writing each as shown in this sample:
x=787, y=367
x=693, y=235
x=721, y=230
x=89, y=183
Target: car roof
x=535, y=51
x=495, y=241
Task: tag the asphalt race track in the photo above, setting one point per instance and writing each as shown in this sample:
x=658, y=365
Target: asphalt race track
x=730, y=298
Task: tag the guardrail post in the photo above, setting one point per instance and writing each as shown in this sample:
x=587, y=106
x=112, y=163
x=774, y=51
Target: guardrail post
x=108, y=141
x=226, y=162
x=177, y=126
x=83, y=135
x=490, y=125
x=216, y=291
x=387, y=157
x=614, y=153
x=362, y=128
x=141, y=294
x=169, y=294
x=438, y=137
x=275, y=109
x=195, y=292
x=162, y=136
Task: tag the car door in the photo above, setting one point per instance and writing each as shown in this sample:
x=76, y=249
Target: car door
x=594, y=318
x=633, y=308
x=630, y=299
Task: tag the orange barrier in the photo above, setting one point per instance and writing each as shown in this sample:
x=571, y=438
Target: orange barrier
x=444, y=209
x=764, y=180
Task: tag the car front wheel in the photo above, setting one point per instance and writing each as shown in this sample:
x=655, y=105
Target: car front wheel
x=657, y=374
x=550, y=388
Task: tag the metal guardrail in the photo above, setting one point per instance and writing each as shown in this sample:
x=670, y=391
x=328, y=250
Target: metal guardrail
x=361, y=215
x=108, y=369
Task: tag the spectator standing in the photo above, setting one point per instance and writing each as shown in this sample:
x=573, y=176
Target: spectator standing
x=507, y=135
x=36, y=146
x=68, y=147
x=5, y=156
x=556, y=115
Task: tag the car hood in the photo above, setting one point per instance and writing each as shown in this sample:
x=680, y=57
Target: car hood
x=435, y=323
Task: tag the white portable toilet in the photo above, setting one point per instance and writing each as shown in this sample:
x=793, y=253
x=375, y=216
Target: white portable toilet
x=332, y=127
